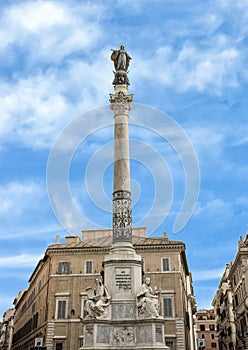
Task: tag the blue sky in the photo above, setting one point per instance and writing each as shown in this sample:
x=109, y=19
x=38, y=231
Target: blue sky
x=189, y=63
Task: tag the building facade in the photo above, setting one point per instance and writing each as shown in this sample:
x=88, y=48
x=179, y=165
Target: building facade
x=238, y=277
x=223, y=306
x=52, y=308
x=7, y=329
x=206, y=332
x=231, y=302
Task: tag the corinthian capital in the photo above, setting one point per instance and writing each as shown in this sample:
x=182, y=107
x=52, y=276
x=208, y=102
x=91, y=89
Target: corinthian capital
x=120, y=102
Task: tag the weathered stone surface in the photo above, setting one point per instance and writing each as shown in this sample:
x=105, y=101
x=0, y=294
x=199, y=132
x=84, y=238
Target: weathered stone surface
x=103, y=334
x=123, y=311
x=123, y=335
x=144, y=334
x=89, y=335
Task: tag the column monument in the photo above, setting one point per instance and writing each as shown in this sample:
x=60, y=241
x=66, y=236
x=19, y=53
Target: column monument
x=123, y=312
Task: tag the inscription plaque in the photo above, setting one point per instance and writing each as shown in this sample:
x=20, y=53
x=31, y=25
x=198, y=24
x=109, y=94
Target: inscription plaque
x=159, y=334
x=123, y=280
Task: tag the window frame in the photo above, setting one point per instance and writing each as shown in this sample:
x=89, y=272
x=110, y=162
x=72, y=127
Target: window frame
x=58, y=300
x=86, y=264
x=172, y=341
x=162, y=264
x=168, y=297
x=58, y=342
x=64, y=270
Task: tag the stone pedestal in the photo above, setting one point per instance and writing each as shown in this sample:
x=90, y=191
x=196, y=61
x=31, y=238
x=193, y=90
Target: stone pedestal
x=124, y=334
x=122, y=328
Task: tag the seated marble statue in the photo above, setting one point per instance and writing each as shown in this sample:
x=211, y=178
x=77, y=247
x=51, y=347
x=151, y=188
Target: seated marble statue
x=98, y=300
x=147, y=301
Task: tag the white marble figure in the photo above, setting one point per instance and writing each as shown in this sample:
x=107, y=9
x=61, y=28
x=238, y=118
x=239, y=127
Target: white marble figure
x=147, y=301
x=98, y=300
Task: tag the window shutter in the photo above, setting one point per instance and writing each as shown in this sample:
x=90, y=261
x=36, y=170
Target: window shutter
x=64, y=267
x=166, y=266
x=168, y=312
x=89, y=266
x=61, y=309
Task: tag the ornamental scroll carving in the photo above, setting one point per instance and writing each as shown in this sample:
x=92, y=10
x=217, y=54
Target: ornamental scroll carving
x=122, y=216
x=120, y=102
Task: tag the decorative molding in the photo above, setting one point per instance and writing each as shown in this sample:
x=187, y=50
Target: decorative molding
x=59, y=337
x=123, y=335
x=104, y=249
x=65, y=294
x=122, y=217
x=120, y=103
x=120, y=97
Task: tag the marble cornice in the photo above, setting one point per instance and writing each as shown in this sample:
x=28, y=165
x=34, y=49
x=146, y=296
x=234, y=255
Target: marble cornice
x=176, y=248
x=97, y=251
x=103, y=250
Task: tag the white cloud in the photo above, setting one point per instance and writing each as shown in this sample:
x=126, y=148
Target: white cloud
x=204, y=69
x=37, y=231
x=19, y=261
x=225, y=211
x=215, y=204
x=37, y=101
x=17, y=197
x=206, y=275
x=49, y=30
x=36, y=108
x=207, y=140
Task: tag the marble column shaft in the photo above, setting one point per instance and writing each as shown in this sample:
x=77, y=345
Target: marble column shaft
x=121, y=103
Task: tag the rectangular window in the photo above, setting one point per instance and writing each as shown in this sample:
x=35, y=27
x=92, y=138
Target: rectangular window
x=212, y=336
x=170, y=344
x=64, y=267
x=61, y=309
x=211, y=327
x=166, y=264
x=59, y=346
x=168, y=307
x=33, y=308
x=89, y=266
x=202, y=327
